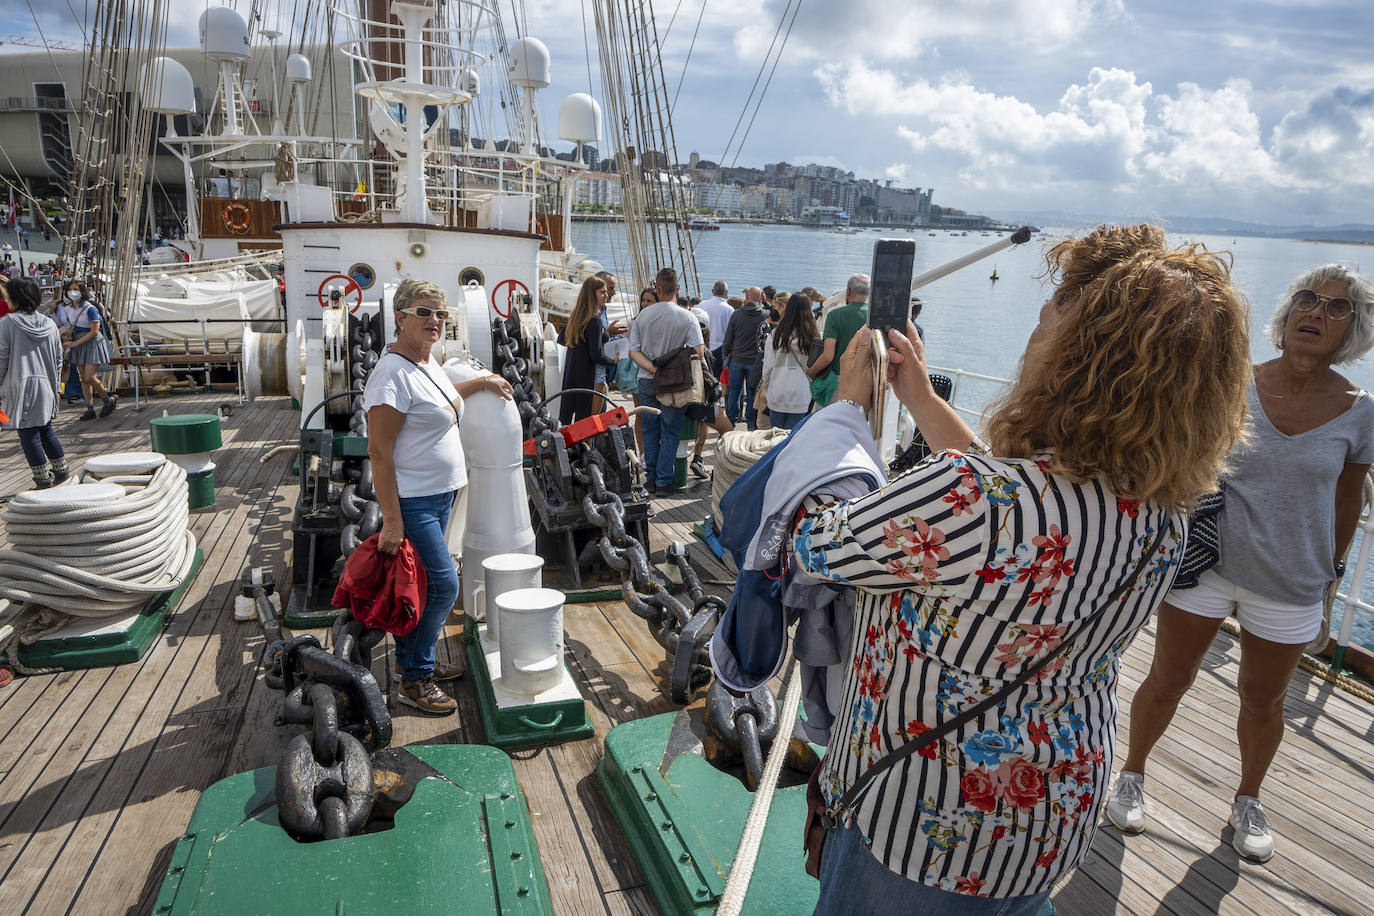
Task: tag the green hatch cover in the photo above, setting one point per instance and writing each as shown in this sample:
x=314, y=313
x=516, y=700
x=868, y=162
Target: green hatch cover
x=462, y=844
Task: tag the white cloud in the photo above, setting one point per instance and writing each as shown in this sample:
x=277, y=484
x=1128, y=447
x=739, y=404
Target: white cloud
x=896, y=171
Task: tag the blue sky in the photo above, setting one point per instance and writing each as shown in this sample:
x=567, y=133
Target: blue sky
x=1258, y=111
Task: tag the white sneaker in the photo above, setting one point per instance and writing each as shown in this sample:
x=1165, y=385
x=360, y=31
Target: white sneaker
x=1126, y=804
x=1252, y=839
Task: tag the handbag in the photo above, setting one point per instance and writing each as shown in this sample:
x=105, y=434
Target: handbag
x=626, y=374
x=819, y=819
x=694, y=393
x=1202, y=549
x=673, y=371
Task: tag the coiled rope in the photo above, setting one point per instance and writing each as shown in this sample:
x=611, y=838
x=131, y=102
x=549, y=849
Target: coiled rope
x=114, y=555
x=736, y=453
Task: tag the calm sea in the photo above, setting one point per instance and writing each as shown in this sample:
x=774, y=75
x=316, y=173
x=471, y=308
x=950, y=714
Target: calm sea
x=970, y=322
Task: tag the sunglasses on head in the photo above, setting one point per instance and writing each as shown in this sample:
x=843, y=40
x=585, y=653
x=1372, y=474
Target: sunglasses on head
x=1338, y=308
x=424, y=311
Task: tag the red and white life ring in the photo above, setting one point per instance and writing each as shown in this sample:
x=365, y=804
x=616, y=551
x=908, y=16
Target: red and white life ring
x=350, y=286
x=515, y=288
x=237, y=217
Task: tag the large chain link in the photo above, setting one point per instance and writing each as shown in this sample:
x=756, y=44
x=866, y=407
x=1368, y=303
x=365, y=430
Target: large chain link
x=682, y=629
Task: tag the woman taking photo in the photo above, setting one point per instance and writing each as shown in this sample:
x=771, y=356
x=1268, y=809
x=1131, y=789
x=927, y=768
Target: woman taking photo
x=786, y=352
x=584, y=335
x=413, y=411
x=971, y=568
x=1291, y=500
x=89, y=350
x=30, y=356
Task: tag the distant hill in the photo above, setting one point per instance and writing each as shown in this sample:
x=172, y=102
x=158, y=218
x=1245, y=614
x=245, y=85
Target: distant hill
x=1358, y=233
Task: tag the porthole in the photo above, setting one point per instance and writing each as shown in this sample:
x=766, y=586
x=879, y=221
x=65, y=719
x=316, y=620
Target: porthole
x=363, y=275
x=471, y=275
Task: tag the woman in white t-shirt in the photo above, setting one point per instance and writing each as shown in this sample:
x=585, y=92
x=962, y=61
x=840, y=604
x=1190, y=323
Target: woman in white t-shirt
x=786, y=353
x=413, y=411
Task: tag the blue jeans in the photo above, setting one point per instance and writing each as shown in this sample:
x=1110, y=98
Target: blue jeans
x=854, y=883
x=425, y=519
x=782, y=420
x=661, y=435
x=39, y=444
x=744, y=377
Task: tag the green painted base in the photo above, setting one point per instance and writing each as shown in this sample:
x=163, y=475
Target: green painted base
x=200, y=489
x=350, y=446
x=684, y=826
x=463, y=844
x=509, y=727
x=299, y=617
x=109, y=645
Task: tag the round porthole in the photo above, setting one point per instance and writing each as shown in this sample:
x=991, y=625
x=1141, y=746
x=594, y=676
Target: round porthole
x=471, y=275
x=363, y=275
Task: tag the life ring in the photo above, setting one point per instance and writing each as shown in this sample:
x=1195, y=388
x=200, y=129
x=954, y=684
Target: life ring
x=237, y=217
x=350, y=286
x=516, y=287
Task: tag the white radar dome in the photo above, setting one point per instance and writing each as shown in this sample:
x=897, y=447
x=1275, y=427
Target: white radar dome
x=165, y=86
x=579, y=119
x=298, y=69
x=529, y=64
x=223, y=34
x=470, y=82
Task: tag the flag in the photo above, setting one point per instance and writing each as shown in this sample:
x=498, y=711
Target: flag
x=360, y=192
x=14, y=214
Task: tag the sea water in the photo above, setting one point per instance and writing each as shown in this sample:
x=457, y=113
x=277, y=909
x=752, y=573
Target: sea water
x=972, y=323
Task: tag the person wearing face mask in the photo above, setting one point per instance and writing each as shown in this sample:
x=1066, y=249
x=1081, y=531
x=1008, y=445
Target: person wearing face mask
x=30, y=353
x=89, y=350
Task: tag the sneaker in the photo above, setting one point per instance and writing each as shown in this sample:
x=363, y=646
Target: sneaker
x=651, y=487
x=442, y=672
x=107, y=408
x=1126, y=804
x=88, y=415
x=698, y=468
x=426, y=696
x=1252, y=839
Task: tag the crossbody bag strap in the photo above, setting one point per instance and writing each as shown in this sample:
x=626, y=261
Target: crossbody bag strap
x=443, y=395
x=896, y=756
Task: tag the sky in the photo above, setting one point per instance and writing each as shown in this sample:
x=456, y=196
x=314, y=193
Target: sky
x=1257, y=111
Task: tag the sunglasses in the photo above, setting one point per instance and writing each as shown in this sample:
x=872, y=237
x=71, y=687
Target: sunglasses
x=1338, y=308
x=424, y=311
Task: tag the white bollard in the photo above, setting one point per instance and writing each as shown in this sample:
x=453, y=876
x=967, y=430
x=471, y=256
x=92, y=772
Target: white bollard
x=503, y=573
x=531, y=639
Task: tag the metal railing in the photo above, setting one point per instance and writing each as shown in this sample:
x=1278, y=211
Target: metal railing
x=34, y=103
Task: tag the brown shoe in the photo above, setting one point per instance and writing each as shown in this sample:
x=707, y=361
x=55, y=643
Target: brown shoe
x=426, y=696
x=442, y=672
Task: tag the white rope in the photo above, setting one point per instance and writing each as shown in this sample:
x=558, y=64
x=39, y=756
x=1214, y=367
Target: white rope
x=737, y=885
x=736, y=453
x=114, y=555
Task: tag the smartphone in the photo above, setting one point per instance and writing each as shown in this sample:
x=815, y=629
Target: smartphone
x=889, y=301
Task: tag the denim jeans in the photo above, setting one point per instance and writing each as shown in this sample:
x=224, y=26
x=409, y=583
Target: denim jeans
x=854, y=883
x=426, y=519
x=744, y=378
x=39, y=444
x=661, y=435
x=782, y=420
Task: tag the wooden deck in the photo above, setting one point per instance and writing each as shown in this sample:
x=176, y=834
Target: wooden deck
x=100, y=769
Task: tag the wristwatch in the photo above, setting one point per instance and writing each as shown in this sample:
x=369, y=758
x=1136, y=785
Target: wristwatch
x=1340, y=569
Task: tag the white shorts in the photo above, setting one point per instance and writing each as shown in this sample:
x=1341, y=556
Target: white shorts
x=1276, y=621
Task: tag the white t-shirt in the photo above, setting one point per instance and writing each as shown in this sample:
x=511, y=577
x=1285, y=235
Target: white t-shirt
x=428, y=453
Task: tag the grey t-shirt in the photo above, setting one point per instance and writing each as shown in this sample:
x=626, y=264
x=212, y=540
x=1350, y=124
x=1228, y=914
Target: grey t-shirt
x=1277, y=524
x=662, y=328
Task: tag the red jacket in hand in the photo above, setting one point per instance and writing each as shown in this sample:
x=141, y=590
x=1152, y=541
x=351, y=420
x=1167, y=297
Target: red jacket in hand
x=383, y=591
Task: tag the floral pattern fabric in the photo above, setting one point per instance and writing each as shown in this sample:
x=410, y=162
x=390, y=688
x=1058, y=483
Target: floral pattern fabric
x=969, y=568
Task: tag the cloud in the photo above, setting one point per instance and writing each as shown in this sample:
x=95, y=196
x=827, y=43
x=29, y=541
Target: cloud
x=896, y=171
x=1331, y=140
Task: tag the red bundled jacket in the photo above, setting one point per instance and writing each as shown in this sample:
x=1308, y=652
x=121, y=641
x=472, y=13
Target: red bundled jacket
x=383, y=591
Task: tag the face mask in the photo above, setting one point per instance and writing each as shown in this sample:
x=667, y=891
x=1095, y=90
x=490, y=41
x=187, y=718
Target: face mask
x=74, y=295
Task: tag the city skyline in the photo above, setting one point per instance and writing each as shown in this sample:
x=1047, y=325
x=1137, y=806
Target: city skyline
x=1260, y=111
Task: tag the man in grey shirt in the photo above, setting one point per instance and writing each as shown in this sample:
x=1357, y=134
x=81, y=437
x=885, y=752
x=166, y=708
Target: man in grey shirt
x=658, y=331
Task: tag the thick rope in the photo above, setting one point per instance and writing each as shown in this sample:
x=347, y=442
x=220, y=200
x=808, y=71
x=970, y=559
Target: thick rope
x=737, y=885
x=736, y=453
x=116, y=554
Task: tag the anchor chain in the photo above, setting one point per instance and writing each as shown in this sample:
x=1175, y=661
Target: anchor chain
x=324, y=783
x=683, y=629
x=745, y=721
x=362, y=515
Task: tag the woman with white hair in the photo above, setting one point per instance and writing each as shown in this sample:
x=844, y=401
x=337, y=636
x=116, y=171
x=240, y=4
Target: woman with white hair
x=1291, y=501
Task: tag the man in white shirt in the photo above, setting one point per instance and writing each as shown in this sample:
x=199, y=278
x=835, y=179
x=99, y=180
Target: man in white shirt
x=719, y=310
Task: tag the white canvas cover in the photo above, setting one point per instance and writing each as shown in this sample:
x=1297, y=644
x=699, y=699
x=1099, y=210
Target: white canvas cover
x=224, y=306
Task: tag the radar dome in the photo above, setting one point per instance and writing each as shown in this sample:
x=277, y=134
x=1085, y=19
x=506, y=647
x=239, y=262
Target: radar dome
x=165, y=87
x=298, y=69
x=223, y=34
x=470, y=82
x=579, y=119
x=529, y=64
